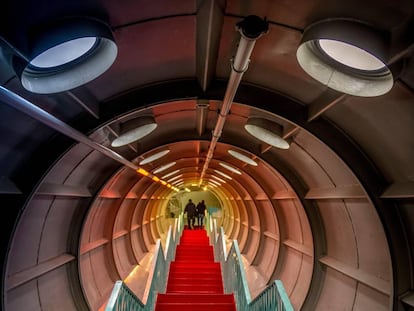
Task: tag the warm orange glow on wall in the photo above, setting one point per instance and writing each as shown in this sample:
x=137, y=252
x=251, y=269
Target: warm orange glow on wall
x=154, y=178
x=142, y=172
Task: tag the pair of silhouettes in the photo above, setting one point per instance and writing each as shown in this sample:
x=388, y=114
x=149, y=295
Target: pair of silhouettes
x=195, y=212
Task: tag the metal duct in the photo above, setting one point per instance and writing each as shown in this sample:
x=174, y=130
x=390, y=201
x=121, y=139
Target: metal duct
x=46, y=118
x=201, y=117
x=251, y=28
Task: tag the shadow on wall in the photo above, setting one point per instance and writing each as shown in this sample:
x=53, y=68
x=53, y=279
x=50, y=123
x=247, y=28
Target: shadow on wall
x=173, y=208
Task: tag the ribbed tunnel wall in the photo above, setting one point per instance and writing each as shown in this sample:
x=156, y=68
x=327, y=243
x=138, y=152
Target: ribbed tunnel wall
x=69, y=249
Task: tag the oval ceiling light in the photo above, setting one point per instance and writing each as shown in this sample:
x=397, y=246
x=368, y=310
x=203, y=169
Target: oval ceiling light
x=154, y=157
x=230, y=168
x=174, y=178
x=133, y=130
x=218, y=179
x=347, y=56
x=164, y=167
x=267, y=131
x=350, y=55
x=242, y=157
x=223, y=174
x=178, y=182
x=212, y=185
x=215, y=182
x=66, y=54
x=170, y=174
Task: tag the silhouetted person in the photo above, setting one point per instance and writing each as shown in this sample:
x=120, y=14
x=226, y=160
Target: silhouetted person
x=191, y=211
x=201, y=208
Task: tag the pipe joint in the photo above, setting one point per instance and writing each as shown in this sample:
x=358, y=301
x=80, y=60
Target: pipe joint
x=253, y=27
x=243, y=70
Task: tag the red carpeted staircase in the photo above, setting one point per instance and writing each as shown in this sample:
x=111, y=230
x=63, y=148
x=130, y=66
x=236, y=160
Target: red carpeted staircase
x=194, y=281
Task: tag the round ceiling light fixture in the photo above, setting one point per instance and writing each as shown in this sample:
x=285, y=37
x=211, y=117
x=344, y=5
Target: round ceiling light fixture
x=267, y=131
x=347, y=56
x=65, y=54
x=133, y=130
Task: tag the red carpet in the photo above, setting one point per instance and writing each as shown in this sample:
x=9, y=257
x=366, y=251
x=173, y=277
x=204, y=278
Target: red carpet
x=195, y=281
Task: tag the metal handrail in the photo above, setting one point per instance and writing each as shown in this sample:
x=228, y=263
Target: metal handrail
x=123, y=299
x=273, y=297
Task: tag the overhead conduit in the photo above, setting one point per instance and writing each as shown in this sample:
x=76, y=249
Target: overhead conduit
x=251, y=29
x=46, y=118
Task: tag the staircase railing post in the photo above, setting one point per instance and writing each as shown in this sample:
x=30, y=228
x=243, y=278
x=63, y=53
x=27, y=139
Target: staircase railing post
x=123, y=299
x=273, y=297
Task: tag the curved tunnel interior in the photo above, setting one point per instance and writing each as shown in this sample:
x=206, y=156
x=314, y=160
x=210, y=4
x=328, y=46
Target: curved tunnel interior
x=330, y=213
x=259, y=207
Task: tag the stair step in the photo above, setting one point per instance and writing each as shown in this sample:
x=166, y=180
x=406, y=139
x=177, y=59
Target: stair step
x=195, y=282
x=194, y=249
x=193, y=273
x=194, y=257
x=195, y=269
x=188, y=275
x=194, y=287
x=191, y=258
x=194, y=245
x=195, y=306
x=188, y=240
x=195, y=279
x=200, y=262
x=198, y=298
x=191, y=289
x=201, y=265
x=194, y=253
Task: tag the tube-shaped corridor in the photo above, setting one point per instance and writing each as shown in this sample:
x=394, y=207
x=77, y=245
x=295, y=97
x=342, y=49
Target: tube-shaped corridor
x=303, y=222
x=293, y=120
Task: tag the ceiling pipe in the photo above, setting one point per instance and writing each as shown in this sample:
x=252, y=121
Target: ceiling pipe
x=23, y=105
x=201, y=116
x=46, y=118
x=251, y=29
